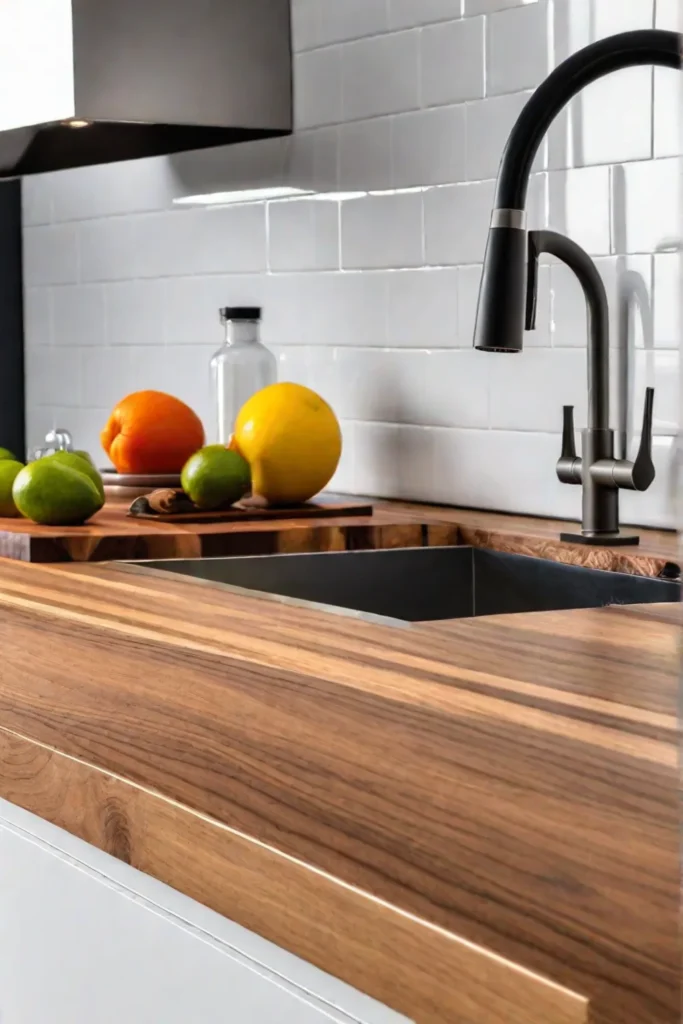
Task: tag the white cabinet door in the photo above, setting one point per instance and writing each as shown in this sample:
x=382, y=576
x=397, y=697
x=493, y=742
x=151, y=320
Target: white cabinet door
x=80, y=944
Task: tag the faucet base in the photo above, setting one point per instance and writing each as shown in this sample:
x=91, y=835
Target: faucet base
x=610, y=540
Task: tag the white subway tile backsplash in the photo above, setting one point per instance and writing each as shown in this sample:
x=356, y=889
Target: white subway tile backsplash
x=580, y=206
x=528, y=389
x=107, y=248
x=626, y=279
x=135, y=312
x=191, y=305
x=488, y=125
x=613, y=119
x=469, y=283
x=517, y=55
x=626, y=16
x=444, y=388
x=377, y=457
x=609, y=122
x=499, y=469
x=489, y=6
x=313, y=159
x=372, y=301
x=78, y=315
x=658, y=369
x=668, y=113
x=303, y=235
x=656, y=507
x=667, y=303
x=428, y=147
x=363, y=384
x=36, y=200
x=37, y=317
x=318, y=87
x=105, y=190
x=51, y=255
x=351, y=19
x=422, y=307
x=230, y=239
x=380, y=75
x=348, y=308
x=452, y=62
x=409, y=13
x=382, y=231
x=645, y=204
x=456, y=222
x=365, y=155
x=184, y=372
x=55, y=371
x=669, y=15
x=306, y=29
x=110, y=373
x=416, y=469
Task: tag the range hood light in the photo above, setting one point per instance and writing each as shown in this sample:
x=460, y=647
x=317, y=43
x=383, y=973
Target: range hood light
x=338, y=197
x=257, y=195
x=245, y=195
x=76, y=123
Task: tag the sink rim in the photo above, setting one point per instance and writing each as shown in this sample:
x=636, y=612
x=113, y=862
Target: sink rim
x=152, y=567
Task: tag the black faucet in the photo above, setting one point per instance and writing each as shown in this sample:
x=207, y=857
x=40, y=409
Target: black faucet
x=507, y=299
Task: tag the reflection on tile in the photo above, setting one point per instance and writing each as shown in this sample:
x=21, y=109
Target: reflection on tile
x=667, y=300
x=580, y=207
x=645, y=204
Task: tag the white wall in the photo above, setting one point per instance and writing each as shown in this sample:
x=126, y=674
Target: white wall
x=371, y=301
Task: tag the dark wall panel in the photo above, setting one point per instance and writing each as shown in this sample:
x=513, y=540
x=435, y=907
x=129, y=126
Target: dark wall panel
x=12, y=412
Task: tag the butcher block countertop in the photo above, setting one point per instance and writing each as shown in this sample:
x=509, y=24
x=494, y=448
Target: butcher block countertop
x=112, y=535
x=475, y=822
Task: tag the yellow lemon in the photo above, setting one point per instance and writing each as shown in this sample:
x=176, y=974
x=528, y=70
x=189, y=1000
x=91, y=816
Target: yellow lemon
x=291, y=439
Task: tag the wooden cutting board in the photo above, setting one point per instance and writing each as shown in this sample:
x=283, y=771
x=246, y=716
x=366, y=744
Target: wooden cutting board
x=112, y=535
x=311, y=510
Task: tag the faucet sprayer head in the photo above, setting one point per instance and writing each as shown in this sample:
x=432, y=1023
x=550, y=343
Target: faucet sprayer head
x=504, y=309
x=501, y=314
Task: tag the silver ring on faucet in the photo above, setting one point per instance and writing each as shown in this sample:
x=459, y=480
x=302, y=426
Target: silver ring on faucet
x=508, y=219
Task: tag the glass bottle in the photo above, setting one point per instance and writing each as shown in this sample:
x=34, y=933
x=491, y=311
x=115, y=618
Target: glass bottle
x=241, y=367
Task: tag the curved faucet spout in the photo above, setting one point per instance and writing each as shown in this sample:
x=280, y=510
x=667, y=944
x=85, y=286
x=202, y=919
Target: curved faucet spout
x=649, y=46
x=500, y=315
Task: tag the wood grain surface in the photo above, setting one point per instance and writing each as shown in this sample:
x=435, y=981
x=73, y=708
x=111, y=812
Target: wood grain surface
x=111, y=535
x=509, y=783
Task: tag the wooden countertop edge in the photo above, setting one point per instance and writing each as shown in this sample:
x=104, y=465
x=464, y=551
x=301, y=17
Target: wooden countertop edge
x=339, y=928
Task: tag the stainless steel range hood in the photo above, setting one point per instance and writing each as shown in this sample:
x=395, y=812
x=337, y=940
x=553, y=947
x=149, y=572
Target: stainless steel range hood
x=95, y=81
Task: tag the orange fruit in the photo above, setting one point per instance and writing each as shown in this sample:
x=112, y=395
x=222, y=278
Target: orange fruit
x=151, y=432
x=291, y=439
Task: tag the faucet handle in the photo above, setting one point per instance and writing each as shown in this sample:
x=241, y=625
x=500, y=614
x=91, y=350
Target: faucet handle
x=569, y=465
x=643, y=467
x=638, y=475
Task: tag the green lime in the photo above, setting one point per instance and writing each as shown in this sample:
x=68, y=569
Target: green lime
x=5, y=453
x=215, y=476
x=54, y=494
x=9, y=471
x=83, y=463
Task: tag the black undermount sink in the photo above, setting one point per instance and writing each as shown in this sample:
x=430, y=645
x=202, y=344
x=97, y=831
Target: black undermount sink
x=420, y=584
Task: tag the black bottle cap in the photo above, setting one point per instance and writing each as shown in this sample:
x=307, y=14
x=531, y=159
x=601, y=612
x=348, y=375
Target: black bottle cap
x=240, y=313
